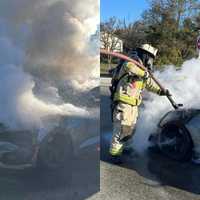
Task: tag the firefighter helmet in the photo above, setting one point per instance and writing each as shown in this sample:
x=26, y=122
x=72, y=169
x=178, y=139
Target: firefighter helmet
x=150, y=49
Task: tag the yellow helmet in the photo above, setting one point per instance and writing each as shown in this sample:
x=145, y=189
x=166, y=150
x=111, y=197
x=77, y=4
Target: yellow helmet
x=150, y=49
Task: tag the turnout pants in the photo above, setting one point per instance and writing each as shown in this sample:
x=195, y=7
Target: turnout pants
x=124, y=121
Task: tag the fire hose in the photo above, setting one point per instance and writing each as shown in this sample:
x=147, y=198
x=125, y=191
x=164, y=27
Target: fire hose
x=126, y=58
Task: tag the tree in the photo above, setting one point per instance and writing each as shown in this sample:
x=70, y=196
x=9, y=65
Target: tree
x=108, y=38
x=169, y=25
x=171, y=29
x=133, y=34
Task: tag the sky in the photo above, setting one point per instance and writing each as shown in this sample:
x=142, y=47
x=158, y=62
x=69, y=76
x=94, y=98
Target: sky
x=131, y=10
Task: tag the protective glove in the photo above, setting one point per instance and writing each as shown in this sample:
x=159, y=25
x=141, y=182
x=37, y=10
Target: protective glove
x=164, y=92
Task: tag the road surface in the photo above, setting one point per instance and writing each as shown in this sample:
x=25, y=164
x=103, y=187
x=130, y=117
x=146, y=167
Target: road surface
x=76, y=183
x=146, y=177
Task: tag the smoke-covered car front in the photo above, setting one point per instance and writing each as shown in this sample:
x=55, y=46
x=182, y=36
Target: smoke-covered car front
x=178, y=131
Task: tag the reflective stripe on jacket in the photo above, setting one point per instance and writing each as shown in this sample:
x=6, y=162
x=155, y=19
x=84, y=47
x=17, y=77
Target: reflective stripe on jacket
x=131, y=85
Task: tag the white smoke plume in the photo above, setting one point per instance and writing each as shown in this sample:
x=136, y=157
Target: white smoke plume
x=57, y=35
x=45, y=45
x=185, y=88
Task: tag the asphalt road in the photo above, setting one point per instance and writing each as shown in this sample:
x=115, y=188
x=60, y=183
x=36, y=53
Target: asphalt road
x=77, y=182
x=149, y=176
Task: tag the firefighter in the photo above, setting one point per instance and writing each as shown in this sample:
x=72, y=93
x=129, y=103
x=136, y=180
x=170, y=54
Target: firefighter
x=128, y=82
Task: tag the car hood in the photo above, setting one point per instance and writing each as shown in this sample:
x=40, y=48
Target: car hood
x=180, y=115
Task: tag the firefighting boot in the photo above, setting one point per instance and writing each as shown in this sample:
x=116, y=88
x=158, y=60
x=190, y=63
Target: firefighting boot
x=115, y=151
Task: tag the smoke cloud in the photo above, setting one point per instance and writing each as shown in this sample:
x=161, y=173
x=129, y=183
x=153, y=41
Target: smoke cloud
x=185, y=88
x=46, y=46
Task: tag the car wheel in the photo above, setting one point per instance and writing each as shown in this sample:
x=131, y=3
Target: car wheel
x=175, y=141
x=56, y=150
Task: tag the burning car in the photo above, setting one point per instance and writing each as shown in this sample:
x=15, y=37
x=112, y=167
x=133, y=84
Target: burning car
x=73, y=136
x=177, y=133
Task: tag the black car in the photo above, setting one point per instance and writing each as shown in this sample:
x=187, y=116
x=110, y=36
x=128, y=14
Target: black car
x=177, y=131
x=73, y=136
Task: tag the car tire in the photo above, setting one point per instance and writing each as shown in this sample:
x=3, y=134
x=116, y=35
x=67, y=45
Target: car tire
x=56, y=150
x=181, y=146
